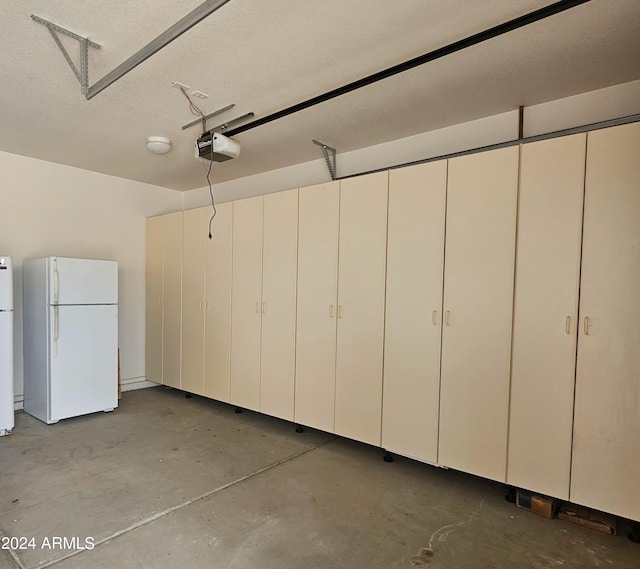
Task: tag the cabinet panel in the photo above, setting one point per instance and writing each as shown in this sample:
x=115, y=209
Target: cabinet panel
x=545, y=314
x=361, y=295
x=606, y=457
x=154, y=268
x=279, y=267
x=172, y=321
x=415, y=258
x=217, y=360
x=319, y=208
x=478, y=299
x=193, y=281
x=246, y=300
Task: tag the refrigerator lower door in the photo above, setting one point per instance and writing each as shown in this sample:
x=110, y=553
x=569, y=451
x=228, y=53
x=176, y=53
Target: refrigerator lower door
x=83, y=360
x=6, y=372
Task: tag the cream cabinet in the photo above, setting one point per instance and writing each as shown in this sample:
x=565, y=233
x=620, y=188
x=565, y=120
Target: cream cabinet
x=246, y=303
x=279, y=278
x=318, y=228
x=545, y=314
x=206, y=302
x=341, y=289
x=360, y=310
x=217, y=303
x=263, y=323
x=193, y=298
x=478, y=298
x=163, y=299
x=606, y=441
x=413, y=321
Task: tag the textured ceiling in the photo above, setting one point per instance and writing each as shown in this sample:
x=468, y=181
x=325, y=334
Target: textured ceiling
x=265, y=56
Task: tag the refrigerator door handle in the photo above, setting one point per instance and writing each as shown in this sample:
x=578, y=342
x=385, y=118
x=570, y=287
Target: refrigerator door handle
x=56, y=282
x=56, y=330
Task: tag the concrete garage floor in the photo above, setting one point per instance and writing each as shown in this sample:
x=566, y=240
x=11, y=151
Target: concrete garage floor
x=169, y=482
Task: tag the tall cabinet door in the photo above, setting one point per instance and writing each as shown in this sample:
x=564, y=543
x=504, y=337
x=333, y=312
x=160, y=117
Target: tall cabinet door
x=415, y=258
x=279, y=268
x=319, y=208
x=545, y=314
x=606, y=456
x=478, y=302
x=172, y=320
x=217, y=340
x=193, y=282
x=361, y=296
x=246, y=303
x=154, y=278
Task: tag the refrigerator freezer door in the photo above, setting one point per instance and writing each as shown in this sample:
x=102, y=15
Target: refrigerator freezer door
x=6, y=372
x=6, y=283
x=84, y=369
x=82, y=281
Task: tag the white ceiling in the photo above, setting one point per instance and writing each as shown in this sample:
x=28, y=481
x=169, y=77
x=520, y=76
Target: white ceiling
x=265, y=56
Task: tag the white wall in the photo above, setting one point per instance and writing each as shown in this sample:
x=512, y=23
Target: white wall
x=50, y=209
x=603, y=104
x=595, y=106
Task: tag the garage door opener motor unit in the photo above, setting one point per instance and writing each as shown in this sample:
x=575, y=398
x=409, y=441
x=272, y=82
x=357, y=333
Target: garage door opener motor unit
x=217, y=147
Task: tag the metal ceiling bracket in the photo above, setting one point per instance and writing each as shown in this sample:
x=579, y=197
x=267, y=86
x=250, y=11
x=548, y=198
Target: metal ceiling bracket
x=222, y=128
x=82, y=74
x=207, y=117
x=329, y=157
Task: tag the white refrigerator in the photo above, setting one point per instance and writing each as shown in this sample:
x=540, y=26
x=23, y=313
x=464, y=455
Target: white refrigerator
x=6, y=345
x=70, y=337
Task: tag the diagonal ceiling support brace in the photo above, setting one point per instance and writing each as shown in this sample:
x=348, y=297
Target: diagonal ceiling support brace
x=165, y=38
x=82, y=74
x=329, y=157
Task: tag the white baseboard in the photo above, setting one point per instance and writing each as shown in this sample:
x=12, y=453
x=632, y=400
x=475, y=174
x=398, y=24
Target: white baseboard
x=132, y=383
x=128, y=384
